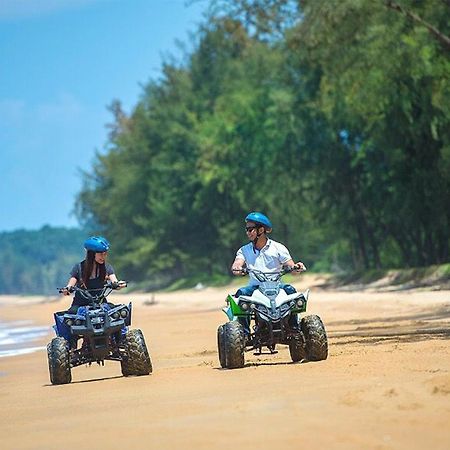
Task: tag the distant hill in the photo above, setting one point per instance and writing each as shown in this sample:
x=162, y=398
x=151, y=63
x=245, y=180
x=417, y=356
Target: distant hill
x=36, y=262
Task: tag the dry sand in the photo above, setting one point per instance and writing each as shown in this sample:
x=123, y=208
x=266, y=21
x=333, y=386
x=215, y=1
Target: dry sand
x=385, y=384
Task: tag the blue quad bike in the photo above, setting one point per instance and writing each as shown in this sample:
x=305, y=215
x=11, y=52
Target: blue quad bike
x=95, y=333
x=269, y=317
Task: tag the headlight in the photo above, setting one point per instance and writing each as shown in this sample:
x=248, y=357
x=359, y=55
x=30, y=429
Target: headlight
x=252, y=306
x=244, y=306
x=300, y=303
x=115, y=316
x=78, y=322
x=123, y=313
x=69, y=322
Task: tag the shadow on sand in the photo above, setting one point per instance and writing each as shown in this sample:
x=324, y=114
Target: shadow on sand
x=422, y=326
x=249, y=364
x=93, y=380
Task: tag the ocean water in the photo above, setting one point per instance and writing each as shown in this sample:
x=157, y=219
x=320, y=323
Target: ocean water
x=20, y=337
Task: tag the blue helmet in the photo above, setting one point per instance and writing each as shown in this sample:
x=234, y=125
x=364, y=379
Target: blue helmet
x=97, y=244
x=259, y=218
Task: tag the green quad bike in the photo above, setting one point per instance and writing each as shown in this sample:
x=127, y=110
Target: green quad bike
x=274, y=315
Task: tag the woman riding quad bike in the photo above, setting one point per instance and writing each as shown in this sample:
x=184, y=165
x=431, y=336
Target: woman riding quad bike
x=96, y=332
x=101, y=326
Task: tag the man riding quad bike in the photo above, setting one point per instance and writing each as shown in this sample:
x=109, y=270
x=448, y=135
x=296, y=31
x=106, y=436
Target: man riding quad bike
x=267, y=317
x=96, y=332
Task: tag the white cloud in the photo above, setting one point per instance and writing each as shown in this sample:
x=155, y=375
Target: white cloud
x=18, y=9
x=11, y=111
x=64, y=108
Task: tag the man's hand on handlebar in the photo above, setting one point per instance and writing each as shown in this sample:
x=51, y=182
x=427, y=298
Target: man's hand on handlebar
x=240, y=271
x=299, y=267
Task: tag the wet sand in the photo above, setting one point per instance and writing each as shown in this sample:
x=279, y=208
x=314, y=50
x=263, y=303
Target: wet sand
x=385, y=384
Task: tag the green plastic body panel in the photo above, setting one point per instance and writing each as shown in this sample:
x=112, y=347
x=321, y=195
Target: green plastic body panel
x=235, y=308
x=300, y=310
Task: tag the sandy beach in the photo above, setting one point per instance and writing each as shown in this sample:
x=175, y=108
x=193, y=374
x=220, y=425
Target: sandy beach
x=385, y=384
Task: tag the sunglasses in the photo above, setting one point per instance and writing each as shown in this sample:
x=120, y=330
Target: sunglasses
x=250, y=229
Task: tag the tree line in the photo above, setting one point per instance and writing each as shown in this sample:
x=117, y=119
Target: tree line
x=330, y=116
x=38, y=261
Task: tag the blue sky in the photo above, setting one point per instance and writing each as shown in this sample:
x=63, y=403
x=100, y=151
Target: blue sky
x=63, y=62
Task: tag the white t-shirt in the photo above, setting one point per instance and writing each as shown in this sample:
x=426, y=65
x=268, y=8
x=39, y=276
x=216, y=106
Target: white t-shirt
x=269, y=259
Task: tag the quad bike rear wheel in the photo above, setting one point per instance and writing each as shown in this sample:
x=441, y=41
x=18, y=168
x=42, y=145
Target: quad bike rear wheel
x=315, y=337
x=234, y=344
x=137, y=361
x=59, y=361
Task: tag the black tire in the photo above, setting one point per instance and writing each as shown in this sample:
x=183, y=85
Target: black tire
x=221, y=346
x=137, y=361
x=296, y=349
x=234, y=340
x=59, y=361
x=315, y=337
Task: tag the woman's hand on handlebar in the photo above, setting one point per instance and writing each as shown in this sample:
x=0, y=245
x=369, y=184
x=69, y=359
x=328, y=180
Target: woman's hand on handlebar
x=117, y=285
x=121, y=284
x=67, y=290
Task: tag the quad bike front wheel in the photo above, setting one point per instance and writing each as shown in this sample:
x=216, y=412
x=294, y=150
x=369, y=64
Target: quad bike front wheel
x=233, y=344
x=59, y=361
x=296, y=349
x=315, y=338
x=221, y=346
x=137, y=360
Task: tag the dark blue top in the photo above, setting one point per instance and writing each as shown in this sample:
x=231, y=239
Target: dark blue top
x=93, y=283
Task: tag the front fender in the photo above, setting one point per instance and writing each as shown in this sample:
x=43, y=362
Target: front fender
x=233, y=310
x=61, y=329
x=227, y=311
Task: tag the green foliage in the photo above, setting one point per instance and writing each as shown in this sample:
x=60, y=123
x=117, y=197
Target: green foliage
x=381, y=169
x=331, y=116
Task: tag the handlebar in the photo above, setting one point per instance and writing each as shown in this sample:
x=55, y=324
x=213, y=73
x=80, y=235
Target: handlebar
x=243, y=271
x=87, y=292
x=285, y=269
x=295, y=268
